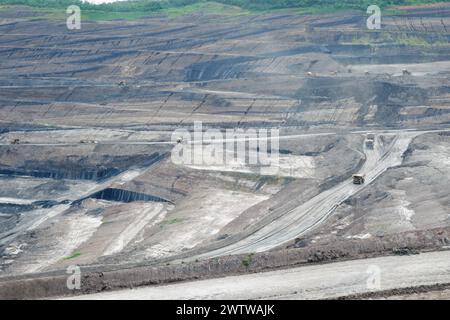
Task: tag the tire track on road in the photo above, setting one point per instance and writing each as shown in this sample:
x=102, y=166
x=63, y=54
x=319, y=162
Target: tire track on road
x=310, y=214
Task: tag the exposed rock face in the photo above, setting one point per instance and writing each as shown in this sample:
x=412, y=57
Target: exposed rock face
x=87, y=119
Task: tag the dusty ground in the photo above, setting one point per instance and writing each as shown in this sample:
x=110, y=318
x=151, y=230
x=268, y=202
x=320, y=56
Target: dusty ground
x=411, y=196
x=310, y=282
x=431, y=295
x=91, y=180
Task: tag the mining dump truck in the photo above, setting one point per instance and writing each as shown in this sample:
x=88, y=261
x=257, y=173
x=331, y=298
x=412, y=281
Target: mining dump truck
x=15, y=141
x=370, y=141
x=179, y=140
x=358, y=179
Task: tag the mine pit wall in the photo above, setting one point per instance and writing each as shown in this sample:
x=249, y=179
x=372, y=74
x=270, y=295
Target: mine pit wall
x=122, y=195
x=97, y=279
x=99, y=173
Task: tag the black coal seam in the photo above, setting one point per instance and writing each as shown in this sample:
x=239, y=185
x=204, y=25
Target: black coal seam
x=122, y=195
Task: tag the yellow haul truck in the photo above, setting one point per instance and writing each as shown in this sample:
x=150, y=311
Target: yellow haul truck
x=370, y=141
x=358, y=179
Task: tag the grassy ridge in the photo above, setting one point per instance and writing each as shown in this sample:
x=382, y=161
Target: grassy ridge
x=139, y=8
x=128, y=10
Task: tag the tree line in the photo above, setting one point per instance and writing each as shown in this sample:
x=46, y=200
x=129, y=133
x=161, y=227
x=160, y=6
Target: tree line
x=154, y=5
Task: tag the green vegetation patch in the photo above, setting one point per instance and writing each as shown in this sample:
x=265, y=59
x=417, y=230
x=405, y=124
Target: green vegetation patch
x=170, y=221
x=247, y=260
x=73, y=255
x=210, y=7
x=421, y=39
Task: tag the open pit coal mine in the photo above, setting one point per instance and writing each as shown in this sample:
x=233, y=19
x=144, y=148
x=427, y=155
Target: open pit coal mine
x=87, y=122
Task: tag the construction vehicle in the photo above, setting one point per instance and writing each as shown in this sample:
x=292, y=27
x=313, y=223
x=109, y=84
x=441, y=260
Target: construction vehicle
x=15, y=141
x=370, y=141
x=179, y=139
x=406, y=72
x=358, y=179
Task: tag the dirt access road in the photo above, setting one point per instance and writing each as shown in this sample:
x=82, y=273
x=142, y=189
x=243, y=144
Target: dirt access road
x=308, y=215
x=310, y=282
x=31, y=222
